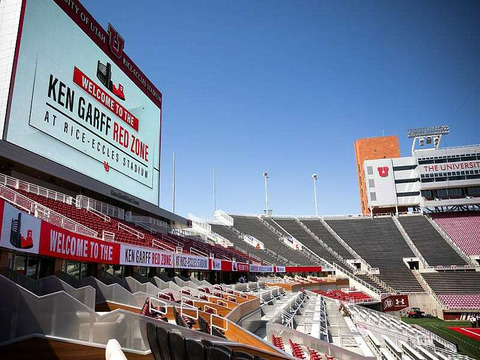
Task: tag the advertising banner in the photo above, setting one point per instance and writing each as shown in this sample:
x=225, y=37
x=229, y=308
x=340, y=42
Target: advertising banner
x=61, y=243
x=26, y=233
x=216, y=264
x=79, y=101
x=187, y=261
x=19, y=231
x=142, y=256
x=292, y=269
x=242, y=267
x=279, y=269
x=260, y=268
x=395, y=303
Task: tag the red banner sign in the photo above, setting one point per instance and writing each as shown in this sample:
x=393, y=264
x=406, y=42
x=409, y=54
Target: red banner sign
x=292, y=269
x=226, y=265
x=61, y=243
x=104, y=98
x=395, y=303
x=241, y=267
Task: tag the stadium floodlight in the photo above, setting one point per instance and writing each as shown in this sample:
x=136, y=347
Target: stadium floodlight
x=265, y=177
x=428, y=131
x=427, y=134
x=315, y=178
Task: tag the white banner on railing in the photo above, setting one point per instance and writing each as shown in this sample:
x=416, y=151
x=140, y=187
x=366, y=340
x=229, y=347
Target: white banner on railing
x=141, y=256
x=186, y=261
x=216, y=264
x=260, y=268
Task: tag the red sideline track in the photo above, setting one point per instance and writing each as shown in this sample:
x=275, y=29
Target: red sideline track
x=470, y=332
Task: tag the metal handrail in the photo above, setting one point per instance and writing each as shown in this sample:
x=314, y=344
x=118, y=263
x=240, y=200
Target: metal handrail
x=101, y=215
x=163, y=305
x=44, y=213
x=138, y=234
x=212, y=325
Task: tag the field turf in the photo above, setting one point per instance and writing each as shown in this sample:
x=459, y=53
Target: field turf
x=466, y=345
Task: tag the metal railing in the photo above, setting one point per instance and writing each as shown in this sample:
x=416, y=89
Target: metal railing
x=218, y=327
x=159, y=244
x=35, y=189
x=108, y=235
x=155, y=305
x=44, y=213
x=83, y=202
x=195, y=251
x=99, y=214
x=136, y=233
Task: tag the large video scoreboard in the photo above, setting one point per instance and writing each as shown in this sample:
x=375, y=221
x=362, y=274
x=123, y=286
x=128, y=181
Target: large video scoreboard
x=78, y=100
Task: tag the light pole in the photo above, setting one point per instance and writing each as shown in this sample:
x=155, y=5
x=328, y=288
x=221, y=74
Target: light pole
x=173, y=186
x=315, y=178
x=265, y=177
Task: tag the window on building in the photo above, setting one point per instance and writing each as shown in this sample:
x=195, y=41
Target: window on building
x=473, y=191
x=373, y=196
x=371, y=183
x=369, y=170
x=405, y=181
x=404, y=167
x=410, y=193
x=427, y=194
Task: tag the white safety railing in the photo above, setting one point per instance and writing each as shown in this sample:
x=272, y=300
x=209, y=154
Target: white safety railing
x=83, y=202
x=158, y=306
x=108, y=235
x=35, y=189
x=195, y=251
x=159, y=244
x=185, y=306
x=136, y=233
x=97, y=213
x=219, y=327
x=44, y=213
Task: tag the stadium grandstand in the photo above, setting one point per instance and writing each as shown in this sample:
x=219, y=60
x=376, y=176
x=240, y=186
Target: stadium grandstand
x=92, y=267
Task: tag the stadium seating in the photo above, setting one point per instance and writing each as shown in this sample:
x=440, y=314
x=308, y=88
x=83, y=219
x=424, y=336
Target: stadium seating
x=301, y=235
x=252, y=226
x=350, y=296
x=429, y=242
x=379, y=242
x=318, y=229
x=463, y=228
x=454, y=282
x=229, y=234
x=461, y=301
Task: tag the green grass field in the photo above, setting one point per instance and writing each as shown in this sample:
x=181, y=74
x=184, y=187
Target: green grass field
x=466, y=345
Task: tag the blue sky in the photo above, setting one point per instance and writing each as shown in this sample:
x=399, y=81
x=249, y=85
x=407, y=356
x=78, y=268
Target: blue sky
x=287, y=87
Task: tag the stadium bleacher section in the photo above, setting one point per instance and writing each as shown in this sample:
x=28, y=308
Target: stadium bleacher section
x=454, y=282
x=318, y=229
x=463, y=228
x=429, y=242
x=295, y=230
x=456, y=289
x=252, y=226
x=229, y=234
x=379, y=242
